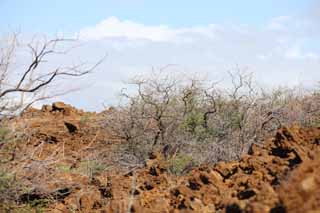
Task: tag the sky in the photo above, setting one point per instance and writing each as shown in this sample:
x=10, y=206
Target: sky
x=279, y=41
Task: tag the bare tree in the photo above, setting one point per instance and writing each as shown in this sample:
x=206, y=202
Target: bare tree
x=19, y=88
x=200, y=119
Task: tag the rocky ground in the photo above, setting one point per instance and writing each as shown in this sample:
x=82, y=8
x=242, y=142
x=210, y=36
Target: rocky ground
x=64, y=155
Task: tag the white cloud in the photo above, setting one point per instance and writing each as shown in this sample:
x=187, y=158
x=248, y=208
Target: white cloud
x=112, y=27
x=277, y=53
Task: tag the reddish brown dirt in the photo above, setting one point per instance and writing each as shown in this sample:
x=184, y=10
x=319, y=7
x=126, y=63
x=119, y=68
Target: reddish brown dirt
x=282, y=175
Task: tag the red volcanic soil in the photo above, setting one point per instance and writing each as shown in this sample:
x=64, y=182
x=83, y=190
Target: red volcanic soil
x=55, y=144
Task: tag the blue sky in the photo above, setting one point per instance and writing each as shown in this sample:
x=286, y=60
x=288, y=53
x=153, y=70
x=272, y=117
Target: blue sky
x=277, y=40
x=71, y=15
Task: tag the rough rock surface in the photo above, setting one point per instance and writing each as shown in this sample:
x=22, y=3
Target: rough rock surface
x=282, y=175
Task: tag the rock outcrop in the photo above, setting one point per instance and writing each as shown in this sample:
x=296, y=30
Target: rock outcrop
x=280, y=175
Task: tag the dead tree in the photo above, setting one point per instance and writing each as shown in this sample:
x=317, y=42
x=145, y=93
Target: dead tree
x=21, y=88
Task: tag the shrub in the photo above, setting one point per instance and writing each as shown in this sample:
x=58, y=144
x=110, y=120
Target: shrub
x=89, y=168
x=199, y=117
x=84, y=119
x=10, y=190
x=180, y=164
x=4, y=134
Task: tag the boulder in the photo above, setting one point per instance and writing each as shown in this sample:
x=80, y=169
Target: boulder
x=72, y=127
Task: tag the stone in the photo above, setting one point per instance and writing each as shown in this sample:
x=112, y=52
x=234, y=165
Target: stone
x=72, y=128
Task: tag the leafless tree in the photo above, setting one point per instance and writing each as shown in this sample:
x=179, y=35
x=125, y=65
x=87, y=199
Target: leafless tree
x=20, y=87
x=203, y=120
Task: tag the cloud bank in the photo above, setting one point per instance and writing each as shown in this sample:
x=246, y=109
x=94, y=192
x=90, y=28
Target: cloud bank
x=284, y=51
x=284, y=35
x=112, y=27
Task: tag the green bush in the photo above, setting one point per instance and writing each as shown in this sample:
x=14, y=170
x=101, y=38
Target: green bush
x=39, y=204
x=4, y=134
x=10, y=190
x=193, y=122
x=180, y=164
x=6, y=181
x=63, y=168
x=90, y=168
x=84, y=119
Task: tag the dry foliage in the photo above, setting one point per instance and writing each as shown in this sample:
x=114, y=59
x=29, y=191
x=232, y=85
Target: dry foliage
x=174, y=115
x=20, y=87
